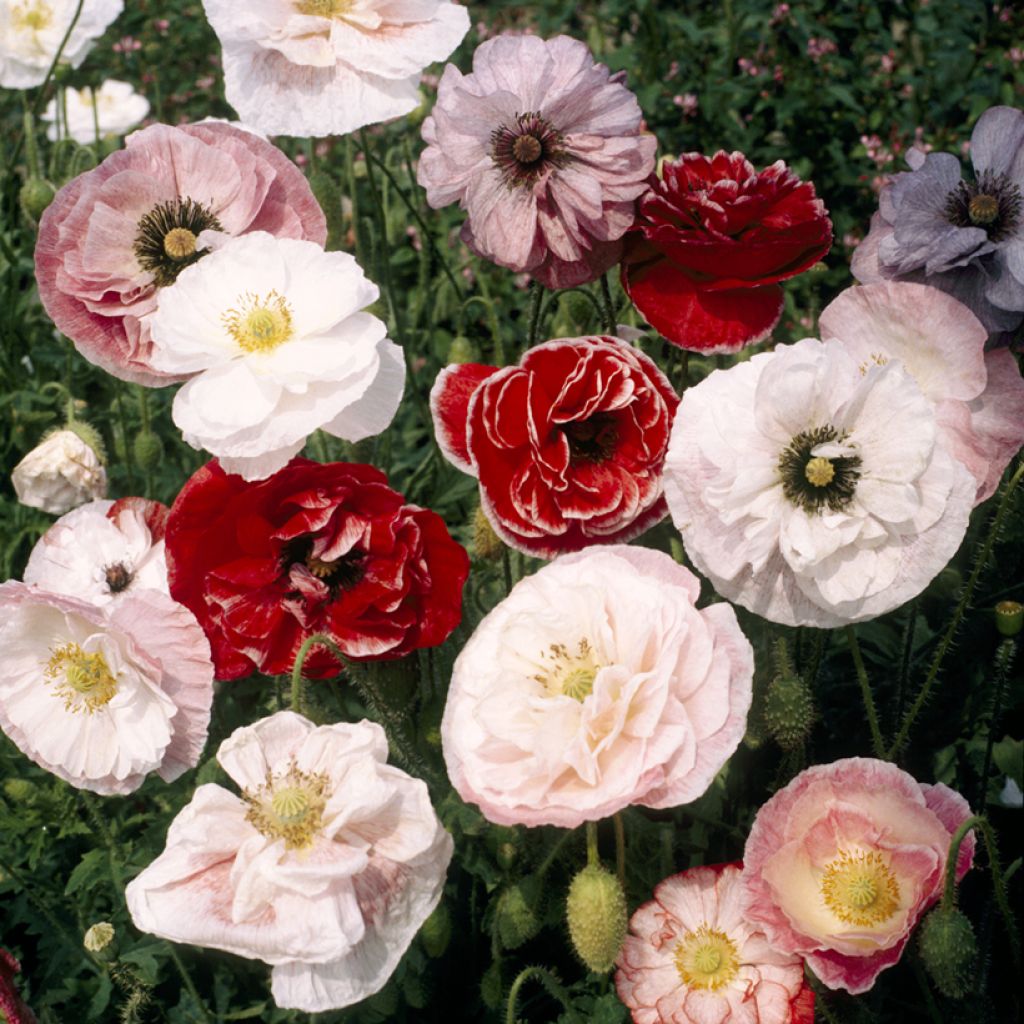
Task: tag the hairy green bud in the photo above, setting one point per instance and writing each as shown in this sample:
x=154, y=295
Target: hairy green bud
x=949, y=950
x=35, y=196
x=516, y=915
x=487, y=544
x=436, y=932
x=596, y=913
x=148, y=450
x=89, y=434
x=462, y=350
x=788, y=711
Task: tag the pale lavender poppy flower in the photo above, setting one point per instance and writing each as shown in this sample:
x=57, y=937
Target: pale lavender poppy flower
x=965, y=237
x=542, y=148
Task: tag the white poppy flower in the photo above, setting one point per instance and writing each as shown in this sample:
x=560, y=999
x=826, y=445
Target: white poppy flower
x=327, y=67
x=812, y=489
x=31, y=32
x=102, y=551
x=62, y=471
x=102, y=697
x=112, y=109
x=272, y=330
x=325, y=867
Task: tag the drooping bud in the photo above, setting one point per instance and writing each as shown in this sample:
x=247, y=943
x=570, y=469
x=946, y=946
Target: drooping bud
x=596, y=913
x=949, y=950
x=148, y=450
x=98, y=937
x=328, y=195
x=35, y=196
x=789, y=711
x=516, y=915
x=503, y=842
x=487, y=544
x=19, y=790
x=491, y=989
x=436, y=932
x=1009, y=617
x=462, y=350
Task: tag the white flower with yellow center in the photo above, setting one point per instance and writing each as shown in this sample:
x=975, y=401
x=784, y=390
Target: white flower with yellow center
x=274, y=332
x=815, y=488
x=101, y=697
x=112, y=109
x=31, y=32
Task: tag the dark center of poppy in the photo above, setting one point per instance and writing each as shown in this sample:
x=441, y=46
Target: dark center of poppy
x=165, y=242
x=525, y=149
x=814, y=482
x=993, y=203
x=592, y=439
x=118, y=577
x=336, y=573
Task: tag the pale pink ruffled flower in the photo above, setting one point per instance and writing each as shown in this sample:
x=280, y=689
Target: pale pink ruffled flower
x=324, y=867
x=101, y=697
x=693, y=957
x=542, y=148
x=978, y=395
x=115, y=235
x=594, y=685
x=103, y=551
x=841, y=864
x=328, y=67
x=62, y=471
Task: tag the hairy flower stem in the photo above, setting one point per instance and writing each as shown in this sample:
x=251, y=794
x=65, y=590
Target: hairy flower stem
x=536, y=301
x=980, y=562
x=1001, y=664
x=907, y=648
x=998, y=878
x=684, y=371
x=620, y=848
x=551, y=984
x=610, y=325
x=877, y=742
x=593, y=859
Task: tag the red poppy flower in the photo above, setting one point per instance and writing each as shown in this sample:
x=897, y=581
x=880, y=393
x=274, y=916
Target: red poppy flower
x=12, y=1007
x=568, y=446
x=712, y=240
x=315, y=548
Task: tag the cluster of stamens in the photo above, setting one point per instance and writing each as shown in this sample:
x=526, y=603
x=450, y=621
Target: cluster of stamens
x=323, y=8
x=259, y=323
x=592, y=439
x=165, y=242
x=34, y=16
x=526, y=149
x=82, y=680
x=860, y=889
x=118, y=577
x=706, y=958
x=569, y=674
x=289, y=806
x=993, y=203
x=814, y=482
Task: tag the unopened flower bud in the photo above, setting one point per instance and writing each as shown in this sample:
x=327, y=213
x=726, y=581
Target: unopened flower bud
x=19, y=790
x=35, y=196
x=1009, y=617
x=148, y=450
x=949, y=950
x=516, y=916
x=581, y=310
x=491, y=990
x=98, y=937
x=789, y=711
x=462, y=350
x=436, y=932
x=487, y=544
x=596, y=912
x=61, y=472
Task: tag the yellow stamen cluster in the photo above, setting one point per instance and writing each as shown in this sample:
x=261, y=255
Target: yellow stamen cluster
x=860, y=889
x=323, y=8
x=570, y=674
x=819, y=472
x=875, y=359
x=260, y=324
x=83, y=681
x=706, y=958
x=35, y=16
x=289, y=806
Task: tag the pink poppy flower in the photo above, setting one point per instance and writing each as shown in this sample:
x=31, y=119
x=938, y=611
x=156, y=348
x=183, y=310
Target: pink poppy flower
x=103, y=551
x=324, y=867
x=115, y=235
x=542, y=148
x=102, y=698
x=978, y=395
x=594, y=685
x=842, y=863
x=693, y=957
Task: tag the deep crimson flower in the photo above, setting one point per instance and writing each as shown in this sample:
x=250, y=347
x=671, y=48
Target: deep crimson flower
x=713, y=239
x=12, y=1007
x=315, y=548
x=568, y=446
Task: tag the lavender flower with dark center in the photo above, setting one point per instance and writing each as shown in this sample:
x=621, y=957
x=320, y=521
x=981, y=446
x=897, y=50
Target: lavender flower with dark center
x=525, y=150
x=965, y=237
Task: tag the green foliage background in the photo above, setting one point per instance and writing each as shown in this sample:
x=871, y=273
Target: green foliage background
x=898, y=71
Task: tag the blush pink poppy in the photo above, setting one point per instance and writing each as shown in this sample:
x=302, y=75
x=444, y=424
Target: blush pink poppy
x=116, y=234
x=842, y=863
x=978, y=395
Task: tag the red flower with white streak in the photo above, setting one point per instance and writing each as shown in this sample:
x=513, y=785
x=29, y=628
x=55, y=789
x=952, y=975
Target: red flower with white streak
x=315, y=548
x=568, y=446
x=713, y=240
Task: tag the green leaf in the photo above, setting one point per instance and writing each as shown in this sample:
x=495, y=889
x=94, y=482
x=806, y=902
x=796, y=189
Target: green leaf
x=91, y=868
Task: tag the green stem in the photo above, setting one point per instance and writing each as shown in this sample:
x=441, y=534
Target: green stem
x=905, y=657
x=1002, y=663
x=620, y=848
x=506, y=566
x=593, y=859
x=998, y=879
x=536, y=300
x=684, y=370
x=186, y=980
x=610, y=326
x=298, y=703
x=551, y=984
x=965, y=599
x=877, y=742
